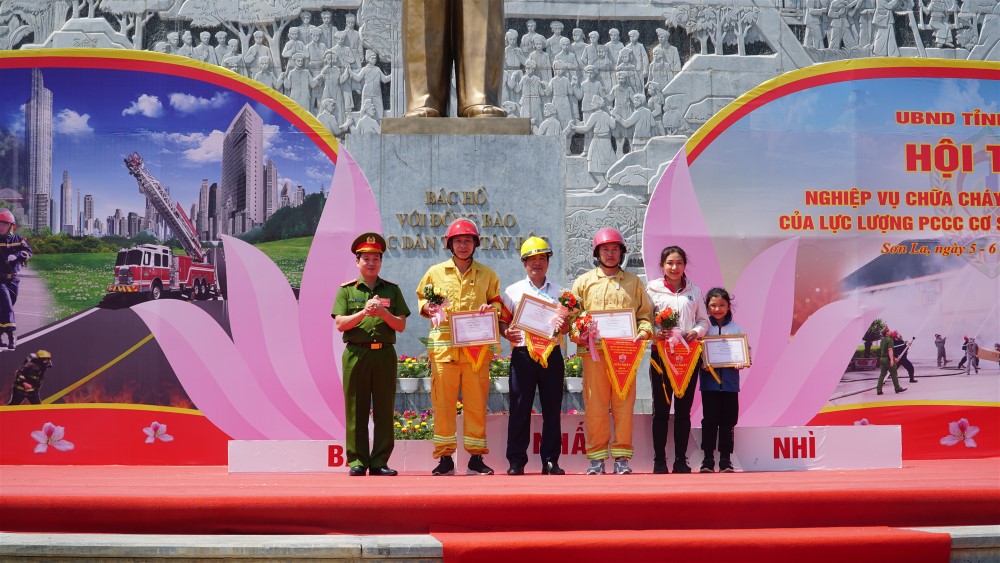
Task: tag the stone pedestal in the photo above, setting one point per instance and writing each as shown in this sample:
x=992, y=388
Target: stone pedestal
x=512, y=186
x=456, y=126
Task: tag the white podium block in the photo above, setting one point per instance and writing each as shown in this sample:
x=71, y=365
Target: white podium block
x=287, y=456
x=797, y=448
x=780, y=448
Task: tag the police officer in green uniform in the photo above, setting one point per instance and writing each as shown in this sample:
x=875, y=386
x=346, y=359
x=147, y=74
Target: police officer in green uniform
x=369, y=311
x=887, y=361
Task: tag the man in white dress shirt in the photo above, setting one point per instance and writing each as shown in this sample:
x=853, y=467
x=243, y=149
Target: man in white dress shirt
x=531, y=369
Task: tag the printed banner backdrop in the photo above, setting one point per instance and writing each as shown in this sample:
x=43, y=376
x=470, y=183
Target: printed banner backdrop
x=761, y=199
x=170, y=381
x=842, y=193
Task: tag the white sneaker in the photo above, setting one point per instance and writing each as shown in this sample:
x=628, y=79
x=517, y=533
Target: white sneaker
x=621, y=466
x=596, y=467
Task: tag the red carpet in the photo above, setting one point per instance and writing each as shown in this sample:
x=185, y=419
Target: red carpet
x=816, y=545
x=795, y=512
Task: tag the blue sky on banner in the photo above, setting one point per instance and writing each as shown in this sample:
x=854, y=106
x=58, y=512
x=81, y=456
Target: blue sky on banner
x=177, y=124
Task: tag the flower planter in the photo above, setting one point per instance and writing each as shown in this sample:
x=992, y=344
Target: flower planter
x=864, y=364
x=408, y=384
x=574, y=384
x=502, y=384
x=425, y=385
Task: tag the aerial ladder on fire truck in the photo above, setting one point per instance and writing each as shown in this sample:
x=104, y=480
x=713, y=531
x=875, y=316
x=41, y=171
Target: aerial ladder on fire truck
x=172, y=213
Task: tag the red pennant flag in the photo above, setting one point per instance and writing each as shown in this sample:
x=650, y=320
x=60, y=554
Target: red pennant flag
x=476, y=355
x=539, y=348
x=679, y=363
x=621, y=360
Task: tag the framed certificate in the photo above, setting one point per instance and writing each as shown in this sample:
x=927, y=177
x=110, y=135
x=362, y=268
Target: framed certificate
x=472, y=328
x=616, y=324
x=727, y=350
x=535, y=316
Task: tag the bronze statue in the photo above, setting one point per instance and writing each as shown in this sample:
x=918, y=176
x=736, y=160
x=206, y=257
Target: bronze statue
x=469, y=33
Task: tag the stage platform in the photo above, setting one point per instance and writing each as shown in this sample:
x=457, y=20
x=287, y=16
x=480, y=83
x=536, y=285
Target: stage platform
x=865, y=515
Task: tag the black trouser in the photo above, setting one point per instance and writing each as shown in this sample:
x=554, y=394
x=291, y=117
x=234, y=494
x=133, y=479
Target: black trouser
x=526, y=375
x=8, y=297
x=663, y=395
x=16, y=396
x=905, y=363
x=721, y=412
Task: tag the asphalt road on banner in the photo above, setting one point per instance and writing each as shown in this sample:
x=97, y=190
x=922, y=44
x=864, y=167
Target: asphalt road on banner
x=102, y=355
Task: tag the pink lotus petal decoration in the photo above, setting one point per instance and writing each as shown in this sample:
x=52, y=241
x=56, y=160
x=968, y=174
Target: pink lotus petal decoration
x=329, y=263
x=790, y=380
x=673, y=218
x=214, y=373
x=278, y=377
x=762, y=314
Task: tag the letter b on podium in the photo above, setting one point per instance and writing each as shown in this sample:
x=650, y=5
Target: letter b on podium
x=335, y=455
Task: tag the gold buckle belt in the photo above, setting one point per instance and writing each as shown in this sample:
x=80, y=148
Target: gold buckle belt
x=369, y=345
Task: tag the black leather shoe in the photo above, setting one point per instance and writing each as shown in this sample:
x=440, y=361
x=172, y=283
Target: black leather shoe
x=516, y=470
x=552, y=468
x=681, y=466
x=383, y=471
x=660, y=468
x=358, y=470
x=901, y=389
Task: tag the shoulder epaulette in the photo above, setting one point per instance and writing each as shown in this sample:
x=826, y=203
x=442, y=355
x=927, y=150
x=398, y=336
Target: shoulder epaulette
x=347, y=283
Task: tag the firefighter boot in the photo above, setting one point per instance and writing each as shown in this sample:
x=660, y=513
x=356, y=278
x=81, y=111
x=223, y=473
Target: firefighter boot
x=445, y=467
x=478, y=467
x=13, y=339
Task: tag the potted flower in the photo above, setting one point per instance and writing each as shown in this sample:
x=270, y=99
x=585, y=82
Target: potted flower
x=411, y=425
x=410, y=370
x=500, y=374
x=573, y=374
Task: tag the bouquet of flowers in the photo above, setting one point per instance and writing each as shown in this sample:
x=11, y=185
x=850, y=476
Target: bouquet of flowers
x=666, y=320
x=586, y=326
x=570, y=309
x=437, y=304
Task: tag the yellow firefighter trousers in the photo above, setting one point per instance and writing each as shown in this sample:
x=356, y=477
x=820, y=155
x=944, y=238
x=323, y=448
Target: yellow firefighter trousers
x=597, y=398
x=447, y=379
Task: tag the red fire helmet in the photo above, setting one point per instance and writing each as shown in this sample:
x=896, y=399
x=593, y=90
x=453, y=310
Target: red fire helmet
x=461, y=227
x=606, y=235
x=7, y=217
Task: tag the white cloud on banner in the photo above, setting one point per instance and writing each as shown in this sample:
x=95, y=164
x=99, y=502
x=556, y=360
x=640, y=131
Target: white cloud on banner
x=16, y=121
x=186, y=103
x=316, y=173
x=69, y=122
x=209, y=149
x=146, y=105
x=272, y=135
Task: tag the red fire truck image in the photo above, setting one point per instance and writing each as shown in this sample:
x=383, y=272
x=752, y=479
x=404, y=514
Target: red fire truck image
x=153, y=270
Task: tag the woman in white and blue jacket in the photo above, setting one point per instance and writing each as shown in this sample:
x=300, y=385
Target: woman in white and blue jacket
x=719, y=398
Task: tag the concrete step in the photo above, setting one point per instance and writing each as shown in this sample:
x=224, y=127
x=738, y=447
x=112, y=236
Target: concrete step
x=969, y=544
x=142, y=547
